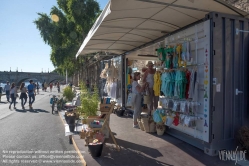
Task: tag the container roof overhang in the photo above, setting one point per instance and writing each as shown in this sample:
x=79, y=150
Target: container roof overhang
x=128, y=24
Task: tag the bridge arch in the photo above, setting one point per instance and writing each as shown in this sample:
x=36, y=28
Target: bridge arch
x=18, y=83
x=60, y=80
x=19, y=77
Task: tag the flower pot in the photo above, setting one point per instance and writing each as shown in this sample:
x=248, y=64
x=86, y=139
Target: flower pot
x=70, y=119
x=95, y=150
x=160, y=132
x=71, y=127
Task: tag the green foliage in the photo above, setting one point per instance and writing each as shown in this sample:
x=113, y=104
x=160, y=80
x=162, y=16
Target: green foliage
x=89, y=101
x=68, y=93
x=76, y=18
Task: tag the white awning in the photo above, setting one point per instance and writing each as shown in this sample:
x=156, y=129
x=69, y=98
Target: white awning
x=127, y=24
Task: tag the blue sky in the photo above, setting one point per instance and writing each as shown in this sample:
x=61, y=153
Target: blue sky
x=21, y=45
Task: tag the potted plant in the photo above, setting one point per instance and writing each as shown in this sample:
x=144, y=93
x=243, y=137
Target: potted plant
x=70, y=119
x=96, y=146
x=89, y=103
x=68, y=93
x=160, y=128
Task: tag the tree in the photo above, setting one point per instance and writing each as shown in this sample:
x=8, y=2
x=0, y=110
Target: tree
x=65, y=34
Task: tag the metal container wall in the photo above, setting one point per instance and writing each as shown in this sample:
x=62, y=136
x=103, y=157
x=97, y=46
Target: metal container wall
x=229, y=71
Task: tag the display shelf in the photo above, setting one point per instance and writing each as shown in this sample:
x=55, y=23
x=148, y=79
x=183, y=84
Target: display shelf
x=189, y=131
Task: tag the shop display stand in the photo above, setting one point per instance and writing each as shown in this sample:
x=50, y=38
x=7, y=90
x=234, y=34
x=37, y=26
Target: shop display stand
x=106, y=118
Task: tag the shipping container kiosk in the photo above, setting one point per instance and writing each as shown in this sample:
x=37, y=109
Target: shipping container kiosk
x=219, y=47
x=221, y=55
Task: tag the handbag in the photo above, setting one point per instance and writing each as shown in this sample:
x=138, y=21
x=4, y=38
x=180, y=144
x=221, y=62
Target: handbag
x=131, y=99
x=147, y=97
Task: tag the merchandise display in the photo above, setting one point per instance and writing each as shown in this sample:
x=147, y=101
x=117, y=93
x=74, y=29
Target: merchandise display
x=178, y=79
x=111, y=74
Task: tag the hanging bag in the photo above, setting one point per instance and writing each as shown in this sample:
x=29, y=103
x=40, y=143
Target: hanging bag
x=147, y=97
x=131, y=99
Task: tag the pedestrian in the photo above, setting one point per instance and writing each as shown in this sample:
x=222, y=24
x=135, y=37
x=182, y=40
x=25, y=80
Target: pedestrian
x=31, y=93
x=58, y=87
x=37, y=87
x=42, y=86
x=23, y=95
x=13, y=95
x=1, y=91
x=88, y=85
x=71, y=86
x=51, y=86
x=137, y=89
x=149, y=79
x=92, y=88
x=34, y=88
x=7, y=91
x=45, y=86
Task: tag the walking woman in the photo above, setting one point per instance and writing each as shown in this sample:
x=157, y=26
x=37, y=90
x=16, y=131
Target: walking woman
x=13, y=95
x=51, y=86
x=58, y=87
x=23, y=95
x=137, y=89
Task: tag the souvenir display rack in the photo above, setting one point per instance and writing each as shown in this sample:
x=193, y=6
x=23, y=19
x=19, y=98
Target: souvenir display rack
x=184, y=82
x=111, y=77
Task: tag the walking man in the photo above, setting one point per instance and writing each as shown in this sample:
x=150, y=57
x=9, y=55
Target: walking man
x=37, y=87
x=31, y=93
x=1, y=91
x=7, y=91
x=51, y=86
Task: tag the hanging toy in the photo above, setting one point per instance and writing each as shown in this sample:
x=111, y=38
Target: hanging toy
x=168, y=59
x=161, y=54
x=178, y=52
x=176, y=119
x=183, y=55
x=175, y=58
x=188, y=55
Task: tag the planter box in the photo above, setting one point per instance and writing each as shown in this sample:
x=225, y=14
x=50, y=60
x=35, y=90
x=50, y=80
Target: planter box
x=91, y=119
x=104, y=107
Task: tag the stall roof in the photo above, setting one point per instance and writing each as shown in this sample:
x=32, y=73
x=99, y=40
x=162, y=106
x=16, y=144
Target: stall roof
x=127, y=24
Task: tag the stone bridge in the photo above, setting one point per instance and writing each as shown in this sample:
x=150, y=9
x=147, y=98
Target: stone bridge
x=19, y=77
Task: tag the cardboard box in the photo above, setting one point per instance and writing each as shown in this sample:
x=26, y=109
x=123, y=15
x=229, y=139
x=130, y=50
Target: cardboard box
x=104, y=107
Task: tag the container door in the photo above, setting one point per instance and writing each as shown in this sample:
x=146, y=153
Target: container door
x=230, y=61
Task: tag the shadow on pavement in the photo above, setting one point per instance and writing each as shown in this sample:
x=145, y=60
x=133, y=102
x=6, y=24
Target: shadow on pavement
x=4, y=102
x=33, y=110
x=20, y=110
x=40, y=110
x=196, y=153
x=130, y=154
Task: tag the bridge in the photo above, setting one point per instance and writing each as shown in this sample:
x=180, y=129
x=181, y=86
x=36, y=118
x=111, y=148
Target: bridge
x=19, y=77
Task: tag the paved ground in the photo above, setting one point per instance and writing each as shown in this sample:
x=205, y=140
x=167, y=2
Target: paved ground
x=141, y=149
x=32, y=135
x=31, y=131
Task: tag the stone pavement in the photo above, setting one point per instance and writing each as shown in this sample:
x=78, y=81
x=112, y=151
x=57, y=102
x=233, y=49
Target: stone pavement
x=139, y=148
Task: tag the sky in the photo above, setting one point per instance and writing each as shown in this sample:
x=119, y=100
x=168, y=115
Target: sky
x=21, y=46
